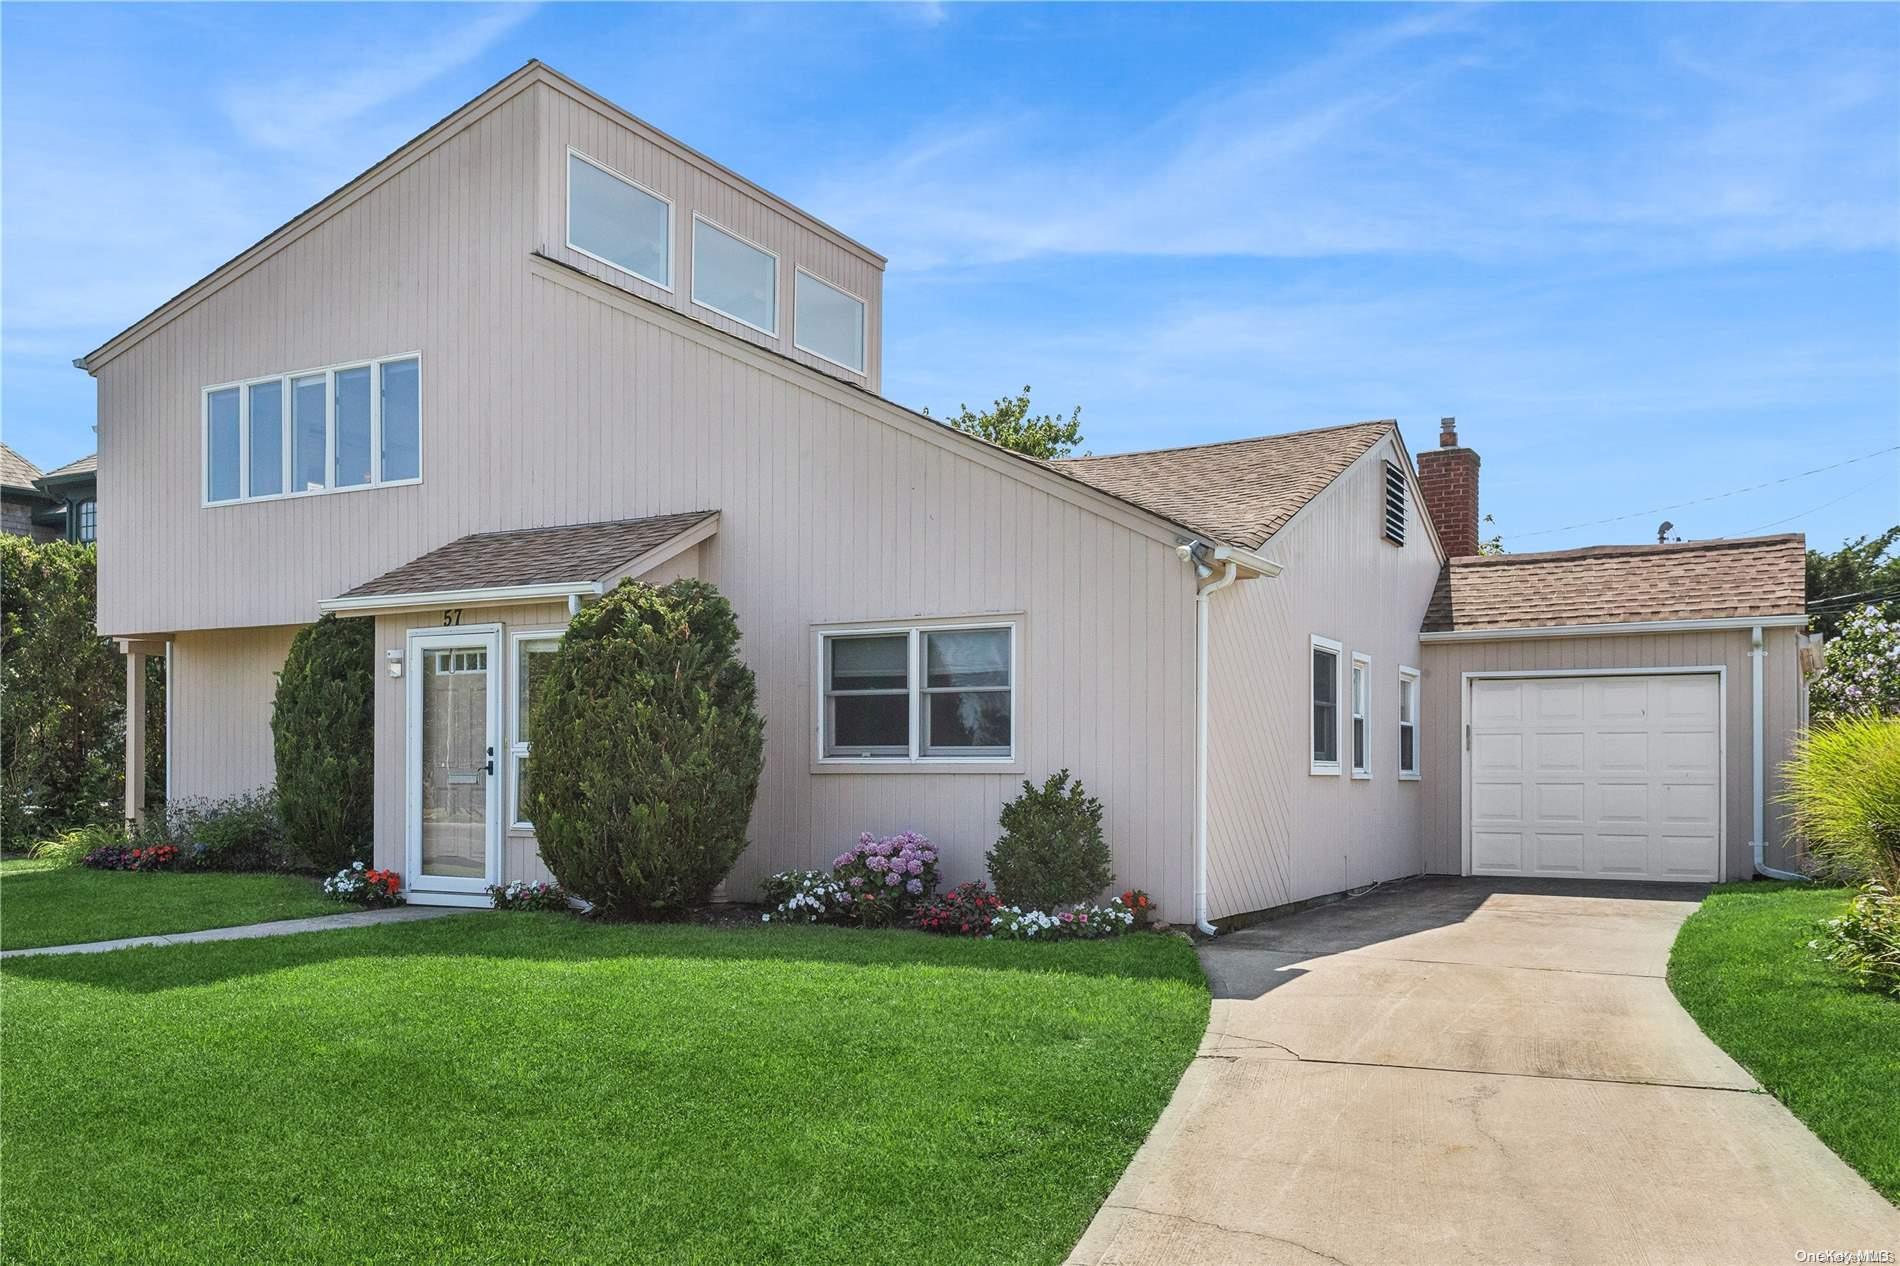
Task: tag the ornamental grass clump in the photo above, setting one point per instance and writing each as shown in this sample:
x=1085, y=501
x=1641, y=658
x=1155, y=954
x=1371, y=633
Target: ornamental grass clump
x=648, y=745
x=1844, y=787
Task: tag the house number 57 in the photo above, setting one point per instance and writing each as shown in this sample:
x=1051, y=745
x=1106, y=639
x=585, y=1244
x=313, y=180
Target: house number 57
x=451, y=617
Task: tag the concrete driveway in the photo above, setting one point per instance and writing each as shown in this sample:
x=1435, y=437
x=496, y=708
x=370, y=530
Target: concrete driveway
x=1467, y=1071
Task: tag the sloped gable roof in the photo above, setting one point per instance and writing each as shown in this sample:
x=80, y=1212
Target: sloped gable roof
x=87, y=465
x=15, y=470
x=1239, y=492
x=573, y=554
x=1622, y=584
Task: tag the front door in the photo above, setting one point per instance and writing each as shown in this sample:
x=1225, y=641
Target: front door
x=454, y=802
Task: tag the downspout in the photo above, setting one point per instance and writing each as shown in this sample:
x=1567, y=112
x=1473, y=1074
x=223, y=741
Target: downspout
x=1757, y=653
x=1229, y=573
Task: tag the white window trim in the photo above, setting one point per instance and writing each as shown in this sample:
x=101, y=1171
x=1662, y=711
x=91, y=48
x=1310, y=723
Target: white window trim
x=1409, y=679
x=915, y=760
x=516, y=748
x=1361, y=669
x=1328, y=768
x=777, y=289
x=567, y=225
x=864, y=326
x=243, y=388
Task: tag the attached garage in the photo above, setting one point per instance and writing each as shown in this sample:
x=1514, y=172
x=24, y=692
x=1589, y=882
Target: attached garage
x=1596, y=775
x=1618, y=712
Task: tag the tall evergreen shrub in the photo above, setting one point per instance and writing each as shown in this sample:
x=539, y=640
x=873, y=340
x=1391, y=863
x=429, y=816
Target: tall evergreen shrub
x=648, y=746
x=323, y=725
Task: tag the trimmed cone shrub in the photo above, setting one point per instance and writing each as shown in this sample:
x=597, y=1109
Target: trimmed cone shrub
x=324, y=726
x=1052, y=853
x=648, y=745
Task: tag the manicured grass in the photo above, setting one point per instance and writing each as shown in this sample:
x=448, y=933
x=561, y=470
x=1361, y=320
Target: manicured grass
x=533, y=1088
x=1829, y=1050
x=44, y=904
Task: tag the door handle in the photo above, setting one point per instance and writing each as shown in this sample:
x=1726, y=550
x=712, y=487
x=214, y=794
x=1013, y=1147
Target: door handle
x=491, y=762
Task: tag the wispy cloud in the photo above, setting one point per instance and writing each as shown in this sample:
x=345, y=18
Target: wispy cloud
x=1425, y=135
x=310, y=111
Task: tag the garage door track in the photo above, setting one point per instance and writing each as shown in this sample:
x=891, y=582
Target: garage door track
x=1467, y=1071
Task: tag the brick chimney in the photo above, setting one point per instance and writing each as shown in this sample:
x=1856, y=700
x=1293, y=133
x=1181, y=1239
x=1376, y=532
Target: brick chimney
x=1448, y=476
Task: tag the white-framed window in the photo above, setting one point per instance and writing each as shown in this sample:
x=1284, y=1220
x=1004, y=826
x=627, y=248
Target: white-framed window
x=827, y=321
x=1359, y=729
x=1408, y=723
x=334, y=429
x=734, y=277
x=918, y=693
x=619, y=221
x=533, y=653
x=88, y=512
x=1325, y=696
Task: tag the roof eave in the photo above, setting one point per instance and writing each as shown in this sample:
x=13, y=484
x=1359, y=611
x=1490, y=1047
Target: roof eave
x=1624, y=628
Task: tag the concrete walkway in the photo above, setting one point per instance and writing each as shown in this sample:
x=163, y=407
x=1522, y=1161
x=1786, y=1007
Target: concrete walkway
x=1458, y=1071
x=247, y=931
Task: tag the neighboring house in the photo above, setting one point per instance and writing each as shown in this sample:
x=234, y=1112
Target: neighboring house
x=75, y=487
x=544, y=347
x=60, y=505
x=22, y=502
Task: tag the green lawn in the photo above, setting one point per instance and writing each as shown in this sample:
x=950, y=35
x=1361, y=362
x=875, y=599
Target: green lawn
x=533, y=1088
x=1830, y=1051
x=45, y=904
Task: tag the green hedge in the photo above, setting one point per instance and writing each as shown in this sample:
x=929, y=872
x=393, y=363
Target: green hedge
x=648, y=747
x=62, y=724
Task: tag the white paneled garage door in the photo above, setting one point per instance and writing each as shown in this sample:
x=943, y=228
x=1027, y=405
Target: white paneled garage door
x=1596, y=777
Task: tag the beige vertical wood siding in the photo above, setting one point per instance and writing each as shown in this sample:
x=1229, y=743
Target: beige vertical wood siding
x=1277, y=832
x=1446, y=662
x=223, y=682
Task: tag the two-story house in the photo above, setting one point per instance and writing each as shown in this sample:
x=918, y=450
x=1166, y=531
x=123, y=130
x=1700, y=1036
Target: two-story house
x=544, y=346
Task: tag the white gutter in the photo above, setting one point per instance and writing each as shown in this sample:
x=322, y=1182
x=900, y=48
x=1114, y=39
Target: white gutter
x=1234, y=563
x=1230, y=572
x=388, y=602
x=1757, y=623
x=1757, y=653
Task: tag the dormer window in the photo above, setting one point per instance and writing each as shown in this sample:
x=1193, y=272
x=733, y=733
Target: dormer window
x=734, y=277
x=1395, y=497
x=828, y=322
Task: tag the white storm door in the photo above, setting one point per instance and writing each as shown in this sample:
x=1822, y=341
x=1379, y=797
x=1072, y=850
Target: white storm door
x=454, y=730
x=1598, y=777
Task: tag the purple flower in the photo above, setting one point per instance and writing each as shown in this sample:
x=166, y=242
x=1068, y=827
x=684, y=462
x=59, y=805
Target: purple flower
x=890, y=880
x=857, y=881
x=914, y=887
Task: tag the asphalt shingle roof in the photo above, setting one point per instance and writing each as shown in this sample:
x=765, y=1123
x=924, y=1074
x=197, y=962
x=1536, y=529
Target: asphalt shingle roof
x=1239, y=492
x=578, y=553
x=87, y=465
x=1623, y=584
x=15, y=470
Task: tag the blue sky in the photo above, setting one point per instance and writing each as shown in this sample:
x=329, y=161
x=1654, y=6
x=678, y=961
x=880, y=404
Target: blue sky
x=1646, y=255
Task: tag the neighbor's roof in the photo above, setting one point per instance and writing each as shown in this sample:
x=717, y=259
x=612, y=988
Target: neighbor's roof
x=576, y=556
x=87, y=465
x=1239, y=492
x=15, y=470
x=1623, y=584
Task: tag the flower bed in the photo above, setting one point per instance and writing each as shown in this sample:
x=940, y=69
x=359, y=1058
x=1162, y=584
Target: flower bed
x=124, y=857
x=528, y=896
x=874, y=883
x=1077, y=923
x=965, y=911
x=372, y=889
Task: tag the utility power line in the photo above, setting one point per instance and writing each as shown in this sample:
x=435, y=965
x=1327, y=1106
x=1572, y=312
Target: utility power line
x=1733, y=492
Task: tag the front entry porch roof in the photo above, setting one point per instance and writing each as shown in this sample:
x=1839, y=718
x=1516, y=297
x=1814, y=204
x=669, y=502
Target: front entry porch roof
x=529, y=564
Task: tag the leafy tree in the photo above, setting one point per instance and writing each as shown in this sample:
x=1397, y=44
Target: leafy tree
x=648, y=746
x=323, y=724
x=1007, y=422
x=1862, y=570
x=62, y=697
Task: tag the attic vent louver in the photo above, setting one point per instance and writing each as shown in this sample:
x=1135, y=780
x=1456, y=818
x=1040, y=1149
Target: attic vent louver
x=1394, y=504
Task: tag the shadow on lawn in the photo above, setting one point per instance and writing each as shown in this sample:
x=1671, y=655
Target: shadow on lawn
x=559, y=938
